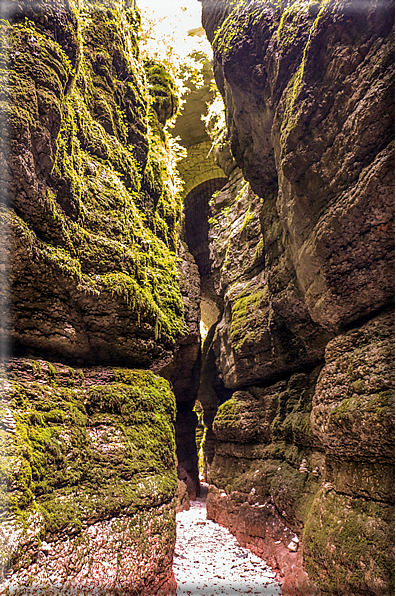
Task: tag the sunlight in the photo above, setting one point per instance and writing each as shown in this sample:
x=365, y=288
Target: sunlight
x=173, y=26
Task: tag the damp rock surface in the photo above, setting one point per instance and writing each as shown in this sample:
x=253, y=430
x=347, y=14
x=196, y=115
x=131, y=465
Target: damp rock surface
x=209, y=561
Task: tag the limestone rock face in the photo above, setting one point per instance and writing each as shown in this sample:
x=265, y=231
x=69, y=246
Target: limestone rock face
x=93, y=275
x=353, y=405
x=309, y=101
x=267, y=468
x=302, y=247
x=266, y=329
x=89, y=479
x=90, y=209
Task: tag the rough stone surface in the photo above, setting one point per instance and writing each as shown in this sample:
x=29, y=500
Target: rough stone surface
x=302, y=247
x=89, y=480
x=297, y=265
x=353, y=405
x=90, y=201
x=266, y=329
x=90, y=205
x=309, y=95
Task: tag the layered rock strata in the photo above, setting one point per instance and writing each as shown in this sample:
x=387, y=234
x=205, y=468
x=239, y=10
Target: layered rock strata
x=302, y=249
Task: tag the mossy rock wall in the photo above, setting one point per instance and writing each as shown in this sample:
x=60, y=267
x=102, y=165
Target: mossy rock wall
x=313, y=456
x=94, y=275
x=302, y=247
x=266, y=330
x=88, y=479
x=309, y=98
x=91, y=193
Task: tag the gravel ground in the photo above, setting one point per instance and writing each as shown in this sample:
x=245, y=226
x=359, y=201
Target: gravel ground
x=209, y=561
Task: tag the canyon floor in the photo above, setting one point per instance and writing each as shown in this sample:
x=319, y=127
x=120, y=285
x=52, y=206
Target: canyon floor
x=209, y=561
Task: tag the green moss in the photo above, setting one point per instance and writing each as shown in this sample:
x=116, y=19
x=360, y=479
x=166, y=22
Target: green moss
x=83, y=455
x=248, y=217
x=51, y=370
x=234, y=25
x=244, y=309
x=163, y=91
x=112, y=204
x=361, y=405
x=227, y=415
x=36, y=366
x=349, y=541
x=296, y=82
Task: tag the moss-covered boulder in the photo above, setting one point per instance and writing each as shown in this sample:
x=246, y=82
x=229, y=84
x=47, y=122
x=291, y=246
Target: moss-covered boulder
x=349, y=531
x=263, y=436
x=88, y=479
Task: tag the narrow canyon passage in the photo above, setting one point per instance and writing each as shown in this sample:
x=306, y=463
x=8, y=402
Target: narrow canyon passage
x=197, y=298
x=209, y=561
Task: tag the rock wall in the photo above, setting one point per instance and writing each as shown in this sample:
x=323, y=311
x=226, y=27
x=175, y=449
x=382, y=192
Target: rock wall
x=88, y=480
x=94, y=278
x=92, y=204
x=301, y=243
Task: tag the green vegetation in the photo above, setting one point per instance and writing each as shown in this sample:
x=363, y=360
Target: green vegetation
x=200, y=437
x=162, y=88
x=84, y=454
x=350, y=538
x=234, y=25
x=248, y=217
x=245, y=309
x=107, y=223
x=291, y=18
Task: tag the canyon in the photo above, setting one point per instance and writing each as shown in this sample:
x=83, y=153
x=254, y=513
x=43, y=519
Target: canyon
x=276, y=234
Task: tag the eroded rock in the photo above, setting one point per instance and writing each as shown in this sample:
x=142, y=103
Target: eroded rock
x=89, y=208
x=89, y=483
x=306, y=333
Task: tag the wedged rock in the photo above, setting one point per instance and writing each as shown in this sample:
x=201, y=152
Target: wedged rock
x=88, y=490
